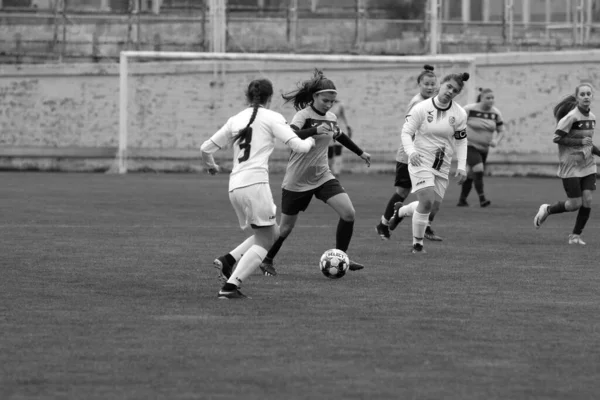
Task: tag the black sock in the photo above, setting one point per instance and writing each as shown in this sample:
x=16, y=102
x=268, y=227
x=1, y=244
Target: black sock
x=582, y=218
x=557, y=208
x=478, y=181
x=466, y=188
x=431, y=217
x=229, y=287
x=389, y=209
x=343, y=234
x=275, y=248
x=229, y=258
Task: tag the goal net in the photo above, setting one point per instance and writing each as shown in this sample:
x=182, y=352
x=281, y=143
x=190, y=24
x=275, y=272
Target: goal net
x=171, y=102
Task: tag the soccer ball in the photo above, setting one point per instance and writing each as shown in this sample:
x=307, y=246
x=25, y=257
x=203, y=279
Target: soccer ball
x=334, y=263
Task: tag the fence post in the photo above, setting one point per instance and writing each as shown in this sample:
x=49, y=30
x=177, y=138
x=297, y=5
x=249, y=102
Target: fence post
x=96, y=46
x=63, y=48
x=18, y=48
x=292, y=25
x=360, y=24
x=157, y=42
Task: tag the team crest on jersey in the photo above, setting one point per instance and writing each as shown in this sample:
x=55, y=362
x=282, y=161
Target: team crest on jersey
x=452, y=120
x=429, y=116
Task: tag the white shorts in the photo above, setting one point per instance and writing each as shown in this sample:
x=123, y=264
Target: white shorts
x=254, y=205
x=422, y=178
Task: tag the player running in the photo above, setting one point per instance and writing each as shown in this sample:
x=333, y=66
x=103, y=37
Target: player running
x=308, y=175
x=486, y=129
x=252, y=134
x=427, y=82
x=433, y=131
x=577, y=166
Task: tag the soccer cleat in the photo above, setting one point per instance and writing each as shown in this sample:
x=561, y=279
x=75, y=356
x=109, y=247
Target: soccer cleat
x=485, y=203
x=462, y=203
x=576, y=239
x=541, y=216
x=430, y=235
x=396, y=219
x=418, y=249
x=225, y=269
x=383, y=231
x=267, y=268
x=232, y=294
x=354, y=266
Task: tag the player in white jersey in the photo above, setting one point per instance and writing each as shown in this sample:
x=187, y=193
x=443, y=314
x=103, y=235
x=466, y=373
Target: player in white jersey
x=434, y=130
x=427, y=82
x=252, y=135
x=308, y=175
x=577, y=167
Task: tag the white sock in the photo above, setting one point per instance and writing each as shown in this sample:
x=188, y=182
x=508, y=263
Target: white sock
x=247, y=264
x=419, y=224
x=239, y=251
x=408, y=210
x=384, y=221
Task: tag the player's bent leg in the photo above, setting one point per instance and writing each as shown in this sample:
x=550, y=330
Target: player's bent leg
x=342, y=205
x=286, y=226
x=429, y=232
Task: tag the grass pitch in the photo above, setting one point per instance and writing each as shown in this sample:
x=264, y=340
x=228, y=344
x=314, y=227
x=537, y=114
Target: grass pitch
x=107, y=292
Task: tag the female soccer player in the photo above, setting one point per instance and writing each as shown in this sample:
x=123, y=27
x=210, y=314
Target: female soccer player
x=486, y=130
x=427, y=82
x=433, y=131
x=577, y=166
x=334, y=152
x=308, y=174
x=252, y=134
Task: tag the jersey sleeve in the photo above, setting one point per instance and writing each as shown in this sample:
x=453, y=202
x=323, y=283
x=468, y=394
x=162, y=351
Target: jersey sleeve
x=460, y=129
x=223, y=136
x=411, y=125
x=564, y=126
x=499, y=119
x=298, y=120
x=281, y=130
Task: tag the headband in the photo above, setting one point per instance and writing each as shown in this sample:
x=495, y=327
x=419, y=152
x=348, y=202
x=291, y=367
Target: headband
x=326, y=90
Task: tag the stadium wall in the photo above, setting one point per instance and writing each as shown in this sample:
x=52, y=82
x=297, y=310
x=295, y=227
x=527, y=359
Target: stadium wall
x=65, y=117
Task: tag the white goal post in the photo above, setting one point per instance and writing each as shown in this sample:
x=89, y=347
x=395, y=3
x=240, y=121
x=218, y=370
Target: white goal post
x=356, y=67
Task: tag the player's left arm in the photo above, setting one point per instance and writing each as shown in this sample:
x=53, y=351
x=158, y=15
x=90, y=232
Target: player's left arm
x=500, y=131
x=348, y=143
x=216, y=142
x=595, y=150
x=460, y=140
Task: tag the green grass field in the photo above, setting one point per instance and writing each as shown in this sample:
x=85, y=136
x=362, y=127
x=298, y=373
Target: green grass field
x=108, y=292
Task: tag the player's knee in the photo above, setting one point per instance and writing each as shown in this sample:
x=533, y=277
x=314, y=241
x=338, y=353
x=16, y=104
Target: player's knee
x=573, y=204
x=586, y=200
x=348, y=214
x=404, y=192
x=477, y=168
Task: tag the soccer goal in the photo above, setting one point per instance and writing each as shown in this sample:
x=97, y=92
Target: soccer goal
x=170, y=102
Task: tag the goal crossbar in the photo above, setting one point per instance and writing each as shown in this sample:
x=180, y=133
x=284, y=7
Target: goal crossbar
x=125, y=56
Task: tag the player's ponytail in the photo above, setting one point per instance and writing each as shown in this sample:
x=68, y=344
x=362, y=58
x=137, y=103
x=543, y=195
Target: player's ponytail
x=303, y=95
x=564, y=107
x=259, y=92
x=427, y=71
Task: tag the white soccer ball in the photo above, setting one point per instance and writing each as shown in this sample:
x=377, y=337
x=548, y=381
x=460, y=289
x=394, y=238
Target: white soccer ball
x=334, y=263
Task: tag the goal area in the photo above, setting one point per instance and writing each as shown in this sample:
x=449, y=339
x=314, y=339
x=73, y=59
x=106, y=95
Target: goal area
x=171, y=102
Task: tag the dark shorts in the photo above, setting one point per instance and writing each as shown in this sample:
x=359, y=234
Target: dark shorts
x=402, y=176
x=475, y=156
x=294, y=202
x=574, y=187
x=335, y=150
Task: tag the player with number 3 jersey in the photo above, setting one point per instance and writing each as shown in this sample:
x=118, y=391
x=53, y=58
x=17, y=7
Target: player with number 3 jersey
x=252, y=135
x=434, y=130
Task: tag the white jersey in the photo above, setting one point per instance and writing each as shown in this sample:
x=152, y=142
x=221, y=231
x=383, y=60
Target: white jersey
x=435, y=132
x=251, y=156
x=401, y=155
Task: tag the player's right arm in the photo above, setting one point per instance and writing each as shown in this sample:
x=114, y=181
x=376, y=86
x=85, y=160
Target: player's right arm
x=561, y=135
x=282, y=131
x=411, y=124
x=216, y=142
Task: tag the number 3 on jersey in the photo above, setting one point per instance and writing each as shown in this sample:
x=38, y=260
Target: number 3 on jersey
x=439, y=159
x=245, y=147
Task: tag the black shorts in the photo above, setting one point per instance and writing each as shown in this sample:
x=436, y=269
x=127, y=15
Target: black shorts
x=335, y=150
x=294, y=202
x=574, y=187
x=475, y=156
x=402, y=176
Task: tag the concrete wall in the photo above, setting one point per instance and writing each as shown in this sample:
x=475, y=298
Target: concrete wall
x=179, y=105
